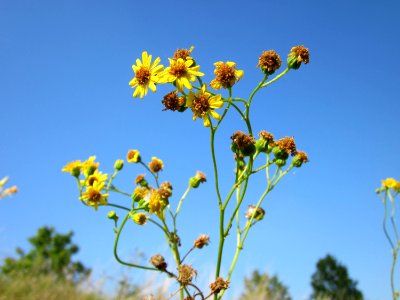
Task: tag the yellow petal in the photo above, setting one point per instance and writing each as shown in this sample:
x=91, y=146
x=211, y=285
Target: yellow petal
x=215, y=115
x=152, y=86
x=207, y=122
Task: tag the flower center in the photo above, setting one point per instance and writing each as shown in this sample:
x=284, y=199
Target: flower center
x=143, y=75
x=225, y=75
x=200, y=105
x=94, y=196
x=178, y=69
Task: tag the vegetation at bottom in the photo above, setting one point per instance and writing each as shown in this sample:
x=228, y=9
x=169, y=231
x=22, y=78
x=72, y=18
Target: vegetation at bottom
x=47, y=271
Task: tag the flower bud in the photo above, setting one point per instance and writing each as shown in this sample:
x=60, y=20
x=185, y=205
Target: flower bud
x=141, y=181
x=296, y=56
x=195, y=181
x=119, y=164
x=112, y=215
x=133, y=156
x=158, y=262
x=280, y=153
x=261, y=145
x=139, y=193
x=299, y=159
x=280, y=162
x=156, y=164
x=140, y=218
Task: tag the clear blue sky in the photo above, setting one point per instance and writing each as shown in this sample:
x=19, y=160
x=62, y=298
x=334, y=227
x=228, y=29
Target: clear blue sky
x=64, y=94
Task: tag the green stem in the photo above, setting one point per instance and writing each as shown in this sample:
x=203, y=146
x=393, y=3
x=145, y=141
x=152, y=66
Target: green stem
x=118, y=206
x=180, y=201
x=392, y=273
x=276, y=78
x=152, y=173
x=116, y=247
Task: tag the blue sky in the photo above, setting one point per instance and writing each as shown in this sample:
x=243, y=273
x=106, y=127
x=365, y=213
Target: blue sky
x=64, y=94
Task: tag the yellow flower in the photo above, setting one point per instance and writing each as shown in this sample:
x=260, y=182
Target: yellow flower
x=181, y=72
x=73, y=167
x=95, y=177
x=133, y=156
x=156, y=205
x=203, y=104
x=156, y=164
x=226, y=75
x=140, y=218
x=93, y=195
x=89, y=166
x=139, y=193
x=389, y=183
x=146, y=75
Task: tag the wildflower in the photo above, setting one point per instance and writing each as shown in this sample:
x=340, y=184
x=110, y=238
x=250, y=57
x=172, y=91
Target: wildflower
x=8, y=191
x=195, y=181
x=201, y=241
x=140, y=218
x=158, y=262
x=297, y=55
x=156, y=165
x=119, y=164
x=156, y=205
x=258, y=213
x=146, y=75
x=89, y=166
x=139, y=193
x=97, y=176
x=203, y=104
x=186, y=274
x=93, y=195
x=287, y=144
x=141, y=181
x=389, y=183
x=265, y=142
x=269, y=61
x=165, y=190
x=242, y=142
x=174, y=102
x=183, y=53
x=181, y=73
x=300, y=158
x=73, y=167
x=226, y=75
x=218, y=285
x=133, y=156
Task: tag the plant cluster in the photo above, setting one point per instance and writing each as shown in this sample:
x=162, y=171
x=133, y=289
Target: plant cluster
x=151, y=201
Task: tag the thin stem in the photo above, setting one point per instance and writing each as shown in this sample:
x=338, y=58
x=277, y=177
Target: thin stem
x=384, y=224
x=114, y=189
x=116, y=247
x=276, y=78
x=392, y=216
x=152, y=173
x=182, y=198
x=190, y=250
x=118, y=206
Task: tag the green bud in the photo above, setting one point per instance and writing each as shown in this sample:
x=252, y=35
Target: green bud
x=279, y=153
x=76, y=172
x=250, y=150
x=119, y=164
x=91, y=170
x=112, y=215
x=297, y=162
x=280, y=162
x=261, y=145
x=195, y=181
x=293, y=63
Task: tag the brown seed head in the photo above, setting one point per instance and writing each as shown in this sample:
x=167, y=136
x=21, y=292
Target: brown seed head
x=139, y=178
x=269, y=61
x=218, y=285
x=165, y=190
x=201, y=177
x=258, y=213
x=301, y=53
x=186, y=274
x=241, y=140
x=172, y=101
x=156, y=165
x=287, y=144
x=225, y=75
x=182, y=53
x=267, y=136
x=302, y=156
x=201, y=241
x=158, y=262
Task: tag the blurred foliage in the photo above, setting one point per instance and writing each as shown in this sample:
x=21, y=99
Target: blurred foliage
x=261, y=286
x=51, y=255
x=331, y=281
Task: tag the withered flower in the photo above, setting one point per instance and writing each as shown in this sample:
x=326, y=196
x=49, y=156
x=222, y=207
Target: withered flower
x=174, y=102
x=158, y=262
x=297, y=55
x=258, y=213
x=243, y=142
x=269, y=61
x=201, y=241
x=287, y=144
x=218, y=285
x=186, y=274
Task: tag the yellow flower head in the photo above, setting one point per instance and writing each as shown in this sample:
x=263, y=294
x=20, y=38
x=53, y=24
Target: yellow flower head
x=140, y=218
x=156, y=205
x=133, y=156
x=73, y=167
x=203, y=104
x=89, y=166
x=226, y=75
x=139, y=193
x=181, y=72
x=93, y=195
x=156, y=164
x=146, y=75
x=95, y=177
x=390, y=183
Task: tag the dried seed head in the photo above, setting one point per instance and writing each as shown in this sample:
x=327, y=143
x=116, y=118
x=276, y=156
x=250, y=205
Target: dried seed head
x=158, y=262
x=269, y=62
x=258, y=213
x=165, y=190
x=218, y=285
x=186, y=274
x=297, y=55
x=287, y=144
x=156, y=164
x=243, y=142
x=201, y=241
x=174, y=102
x=267, y=136
x=300, y=158
x=183, y=53
x=195, y=181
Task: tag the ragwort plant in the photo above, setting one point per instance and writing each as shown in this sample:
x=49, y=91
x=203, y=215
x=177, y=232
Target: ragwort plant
x=388, y=191
x=151, y=201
